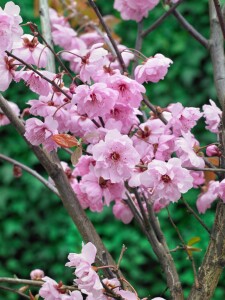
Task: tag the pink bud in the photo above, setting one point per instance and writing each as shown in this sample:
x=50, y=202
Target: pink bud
x=37, y=274
x=213, y=150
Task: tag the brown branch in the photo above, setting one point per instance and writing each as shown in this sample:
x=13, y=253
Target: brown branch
x=160, y=20
x=32, y=172
x=119, y=56
x=187, y=26
x=69, y=199
x=138, y=44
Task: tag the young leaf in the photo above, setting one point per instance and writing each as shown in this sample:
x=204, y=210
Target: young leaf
x=65, y=140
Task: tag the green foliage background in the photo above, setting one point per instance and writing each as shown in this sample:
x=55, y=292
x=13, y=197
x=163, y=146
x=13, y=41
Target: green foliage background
x=35, y=231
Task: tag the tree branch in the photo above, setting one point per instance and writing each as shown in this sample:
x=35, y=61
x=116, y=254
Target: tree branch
x=220, y=16
x=187, y=26
x=63, y=186
x=32, y=172
x=160, y=20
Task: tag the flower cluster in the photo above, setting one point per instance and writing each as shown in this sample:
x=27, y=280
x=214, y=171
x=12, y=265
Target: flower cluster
x=88, y=282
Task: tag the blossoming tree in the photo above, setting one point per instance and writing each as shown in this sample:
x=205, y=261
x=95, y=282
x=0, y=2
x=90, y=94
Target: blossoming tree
x=125, y=151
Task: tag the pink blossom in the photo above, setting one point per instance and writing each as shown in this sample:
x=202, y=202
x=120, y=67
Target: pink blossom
x=206, y=198
x=127, y=295
x=83, y=165
x=185, y=149
x=198, y=177
x=222, y=190
x=182, y=119
x=134, y=10
x=166, y=180
x=213, y=150
x=125, y=114
x=3, y=119
x=213, y=114
x=10, y=31
x=88, y=279
x=154, y=69
x=38, y=132
x=115, y=157
x=130, y=91
x=35, y=82
x=31, y=51
x=75, y=295
x=50, y=290
x=7, y=71
x=122, y=212
x=96, y=100
x=37, y=274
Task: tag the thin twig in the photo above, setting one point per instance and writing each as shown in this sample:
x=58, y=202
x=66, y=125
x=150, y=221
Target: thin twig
x=220, y=16
x=124, y=248
x=154, y=109
x=14, y=291
x=185, y=247
x=32, y=172
x=195, y=215
x=186, y=25
x=161, y=19
x=119, y=56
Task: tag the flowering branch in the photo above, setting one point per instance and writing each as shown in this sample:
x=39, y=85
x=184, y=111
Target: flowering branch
x=119, y=56
x=32, y=172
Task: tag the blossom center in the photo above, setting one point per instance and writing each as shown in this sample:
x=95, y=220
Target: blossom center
x=115, y=156
x=165, y=178
x=122, y=88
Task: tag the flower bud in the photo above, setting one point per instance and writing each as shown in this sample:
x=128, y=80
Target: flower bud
x=37, y=274
x=213, y=150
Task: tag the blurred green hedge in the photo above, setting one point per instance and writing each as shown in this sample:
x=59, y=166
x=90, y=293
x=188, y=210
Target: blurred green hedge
x=35, y=231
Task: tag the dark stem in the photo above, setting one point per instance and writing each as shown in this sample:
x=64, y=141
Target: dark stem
x=161, y=19
x=138, y=45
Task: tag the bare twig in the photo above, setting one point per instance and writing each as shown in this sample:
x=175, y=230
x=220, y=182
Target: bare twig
x=119, y=56
x=124, y=248
x=32, y=172
x=186, y=249
x=161, y=19
x=153, y=109
x=186, y=25
x=14, y=291
x=196, y=215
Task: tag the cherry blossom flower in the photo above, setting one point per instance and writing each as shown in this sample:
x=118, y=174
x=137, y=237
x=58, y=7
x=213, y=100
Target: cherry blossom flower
x=75, y=295
x=3, y=118
x=7, y=72
x=134, y=10
x=115, y=157
x=213, y=150
x=37, y=274
x=182, y=119
x=31, y=51
x=50, y=289
x=35, y=82
x=122, y=211
x=153, y=70
x=38, y=132
x=130, y=91
x=213, y=114
x=166, y=180
x=96, y=100
x=10, y=31
x=222, y=190
x=208, y=196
